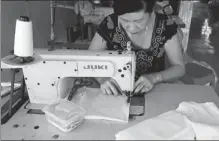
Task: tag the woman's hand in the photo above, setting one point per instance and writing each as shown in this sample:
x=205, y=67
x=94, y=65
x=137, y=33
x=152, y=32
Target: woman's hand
x=144, y=84
x=110, y=87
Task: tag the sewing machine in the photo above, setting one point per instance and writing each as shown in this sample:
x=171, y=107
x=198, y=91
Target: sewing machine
x=51, y=79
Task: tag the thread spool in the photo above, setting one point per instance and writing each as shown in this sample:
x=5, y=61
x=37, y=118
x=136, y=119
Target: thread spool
x=23, y=40
x=90, y=32
x=23, y=55
x=70, y=34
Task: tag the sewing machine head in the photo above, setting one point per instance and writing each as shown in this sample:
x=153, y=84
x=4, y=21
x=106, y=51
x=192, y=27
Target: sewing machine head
x=53, y=78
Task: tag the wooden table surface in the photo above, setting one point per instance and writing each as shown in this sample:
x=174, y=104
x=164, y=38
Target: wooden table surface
x=163, y=98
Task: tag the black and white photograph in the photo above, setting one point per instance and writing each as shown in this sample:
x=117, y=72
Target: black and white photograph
x=109, y=70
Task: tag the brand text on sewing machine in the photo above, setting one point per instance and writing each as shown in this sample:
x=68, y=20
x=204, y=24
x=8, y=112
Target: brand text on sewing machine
x=97, y=67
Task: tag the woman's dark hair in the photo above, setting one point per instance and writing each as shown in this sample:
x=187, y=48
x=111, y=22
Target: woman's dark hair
x=128, y=6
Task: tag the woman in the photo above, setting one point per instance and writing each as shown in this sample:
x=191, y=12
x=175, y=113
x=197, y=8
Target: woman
x=151, y=36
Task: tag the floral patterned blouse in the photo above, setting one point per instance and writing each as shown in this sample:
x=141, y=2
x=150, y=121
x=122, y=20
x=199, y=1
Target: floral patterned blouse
x=148, y=60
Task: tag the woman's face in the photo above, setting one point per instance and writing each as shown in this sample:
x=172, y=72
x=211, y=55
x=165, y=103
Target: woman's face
x=134, y=22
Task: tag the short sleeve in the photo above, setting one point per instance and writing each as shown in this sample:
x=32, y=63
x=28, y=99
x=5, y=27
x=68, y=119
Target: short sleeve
x=170, y=28
x=105, y=28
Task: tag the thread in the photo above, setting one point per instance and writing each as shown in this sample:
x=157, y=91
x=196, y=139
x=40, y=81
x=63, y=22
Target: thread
x=23, y=39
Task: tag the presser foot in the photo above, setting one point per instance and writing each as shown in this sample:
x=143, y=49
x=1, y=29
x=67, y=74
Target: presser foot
x=129, y=95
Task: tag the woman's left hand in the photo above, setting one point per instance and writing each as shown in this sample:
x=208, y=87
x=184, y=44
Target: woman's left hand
x=144, y=84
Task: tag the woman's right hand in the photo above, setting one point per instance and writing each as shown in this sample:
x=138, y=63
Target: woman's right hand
x=110, y=87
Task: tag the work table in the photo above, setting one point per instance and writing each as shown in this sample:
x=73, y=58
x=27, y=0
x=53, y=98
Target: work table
x=163, y=98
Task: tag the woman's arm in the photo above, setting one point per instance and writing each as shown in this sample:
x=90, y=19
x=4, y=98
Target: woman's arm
x=97, y=43
x=146, y=82
x=108, y=85
x=175, y=56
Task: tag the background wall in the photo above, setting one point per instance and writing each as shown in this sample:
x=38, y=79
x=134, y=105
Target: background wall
x=40, y=15
x=39, y=12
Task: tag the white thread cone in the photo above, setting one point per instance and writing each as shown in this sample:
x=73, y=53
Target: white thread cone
x=23, y=41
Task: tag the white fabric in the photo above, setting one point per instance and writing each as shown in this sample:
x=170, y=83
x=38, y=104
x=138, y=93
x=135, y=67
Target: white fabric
x=170, y=125
x=203, y=117
x=189, y=121
x=102, y=106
